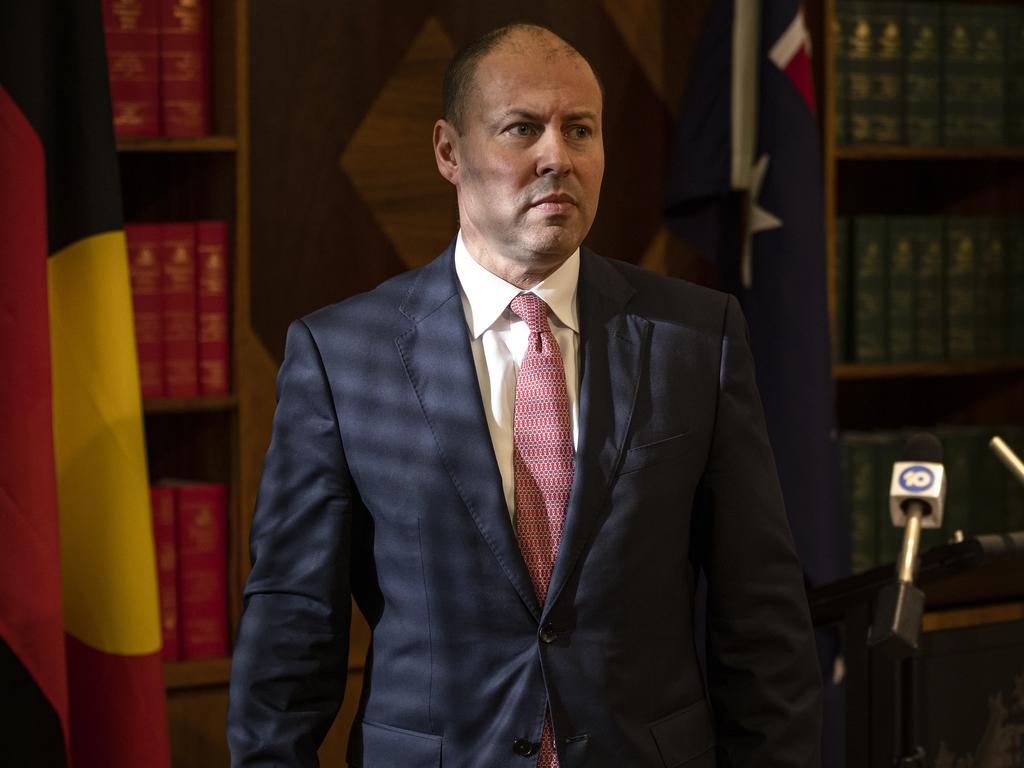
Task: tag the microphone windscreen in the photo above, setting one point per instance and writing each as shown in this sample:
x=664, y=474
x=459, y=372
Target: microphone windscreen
x=923, y=446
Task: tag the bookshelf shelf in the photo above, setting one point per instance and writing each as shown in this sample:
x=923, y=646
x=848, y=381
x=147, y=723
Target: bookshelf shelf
x=179, y=144
x=898, y=152
x=190, y=404
x=196, y=673
x=854, y=371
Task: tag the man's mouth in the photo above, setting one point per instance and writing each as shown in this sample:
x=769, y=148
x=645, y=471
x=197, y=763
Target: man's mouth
x=554, y=204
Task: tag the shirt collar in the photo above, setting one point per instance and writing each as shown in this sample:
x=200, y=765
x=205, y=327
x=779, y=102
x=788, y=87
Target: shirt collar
x=487, y=295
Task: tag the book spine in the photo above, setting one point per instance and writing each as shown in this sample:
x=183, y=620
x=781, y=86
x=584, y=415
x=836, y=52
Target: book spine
x=145, y=270
x=1013, y=503
x=888, y=450
x=164, y=537
x=991, y=293
x=869, y=270
x=887, y=27
x=960, y=306
x=929, y=304
x=861, y=473
x=923, y=74
x=1014, y=74
x=841, y=327
x=178, y=257
x=858, y=45
x=841, y=65
x=957, y=74
x=988, y=123
x=900, y=287
x=184, y=67
x=1015, y=285
x=212, y=304
x=202, y=569
x=133, y=65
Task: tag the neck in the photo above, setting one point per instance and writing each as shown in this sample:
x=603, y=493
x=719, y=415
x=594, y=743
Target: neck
x=523, y=272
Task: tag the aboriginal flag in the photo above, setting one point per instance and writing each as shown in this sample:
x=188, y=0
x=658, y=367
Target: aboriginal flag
x=81, y=680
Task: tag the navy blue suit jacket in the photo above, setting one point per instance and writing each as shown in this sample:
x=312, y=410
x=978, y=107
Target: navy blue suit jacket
x=381, y=483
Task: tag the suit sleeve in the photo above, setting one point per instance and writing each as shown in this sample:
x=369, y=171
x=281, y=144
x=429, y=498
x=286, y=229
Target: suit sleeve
x=762, y=665
x=290, y=660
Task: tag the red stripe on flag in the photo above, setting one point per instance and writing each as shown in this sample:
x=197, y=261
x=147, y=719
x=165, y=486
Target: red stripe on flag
x=31, y=620
x=799, y=72
x=117, y=722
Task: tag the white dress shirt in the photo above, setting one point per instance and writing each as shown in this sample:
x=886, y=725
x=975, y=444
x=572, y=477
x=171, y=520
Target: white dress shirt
x=499, y=338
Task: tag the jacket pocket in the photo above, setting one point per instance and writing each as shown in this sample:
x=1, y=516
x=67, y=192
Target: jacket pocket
x=655, y=453
x=686, y=738
x=386, y=746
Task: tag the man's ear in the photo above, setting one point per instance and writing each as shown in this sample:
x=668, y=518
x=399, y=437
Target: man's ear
x=446, y=150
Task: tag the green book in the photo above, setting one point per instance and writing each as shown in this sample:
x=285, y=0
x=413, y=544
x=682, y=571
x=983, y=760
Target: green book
x=958, y=72
x=1015, y=285
x=988, y=512
x=900, y=289
x=922, y=77
x=841, y=322
x=961, y=448
x=886, y=105
x=889, y=538
x=860, y=473
x=991, y=293
x=961, y=260
x=868, y=272
x=1013, y=489
x=1014, y=74
x=988, y=121
x=929, y=305
x=841, y=65
x=855, y=20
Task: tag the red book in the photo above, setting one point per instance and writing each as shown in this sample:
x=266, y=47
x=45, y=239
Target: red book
x=212, y=303
x=133, y=62
x=184, y=67
x=178, y=260
x=145, y=270
x=202, y=569
x=164, y=533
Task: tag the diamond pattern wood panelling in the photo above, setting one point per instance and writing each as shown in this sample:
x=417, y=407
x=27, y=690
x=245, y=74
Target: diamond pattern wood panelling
x=344, y=188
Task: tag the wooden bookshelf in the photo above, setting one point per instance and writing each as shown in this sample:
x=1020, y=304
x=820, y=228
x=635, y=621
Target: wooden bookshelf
x=897, y=152
x=196, y=673
x=199, y=438
x=190, y=404
x=853, y=371
x=178, y=144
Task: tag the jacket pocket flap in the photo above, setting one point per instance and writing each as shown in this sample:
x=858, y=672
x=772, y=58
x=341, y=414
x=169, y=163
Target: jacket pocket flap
x=685, y=735
x=386, y=745
x=655, y=453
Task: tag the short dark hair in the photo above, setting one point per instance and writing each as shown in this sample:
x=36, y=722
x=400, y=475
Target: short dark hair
x=461, y=71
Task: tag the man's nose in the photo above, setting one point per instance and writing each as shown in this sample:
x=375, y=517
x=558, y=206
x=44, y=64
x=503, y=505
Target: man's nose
x=554, y=158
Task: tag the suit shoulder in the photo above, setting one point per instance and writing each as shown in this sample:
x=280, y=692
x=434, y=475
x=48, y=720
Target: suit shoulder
x=672, y=300
x=364, y=310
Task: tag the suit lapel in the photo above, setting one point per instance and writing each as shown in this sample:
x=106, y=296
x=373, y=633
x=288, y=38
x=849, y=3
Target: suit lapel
x=439, y=363
x=613, y=344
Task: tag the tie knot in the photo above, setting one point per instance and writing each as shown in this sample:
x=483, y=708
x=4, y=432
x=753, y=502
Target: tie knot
x=532, y=310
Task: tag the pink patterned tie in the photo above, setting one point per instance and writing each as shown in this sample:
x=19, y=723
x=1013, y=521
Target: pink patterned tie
x=544, y=461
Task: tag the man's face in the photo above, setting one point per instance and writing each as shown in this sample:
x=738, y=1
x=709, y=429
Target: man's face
x=531, y=158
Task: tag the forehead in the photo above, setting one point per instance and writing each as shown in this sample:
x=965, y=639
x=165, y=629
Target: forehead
x=535, y=76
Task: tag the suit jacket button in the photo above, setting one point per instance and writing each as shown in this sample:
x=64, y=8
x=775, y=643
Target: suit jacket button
x=524, y=747
x=548, y=634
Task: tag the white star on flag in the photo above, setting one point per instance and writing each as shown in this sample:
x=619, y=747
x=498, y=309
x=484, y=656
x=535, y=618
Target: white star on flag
x=758, y=220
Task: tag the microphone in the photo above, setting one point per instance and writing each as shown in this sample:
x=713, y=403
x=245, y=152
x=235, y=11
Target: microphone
x=917, y=495
x=1006, y=455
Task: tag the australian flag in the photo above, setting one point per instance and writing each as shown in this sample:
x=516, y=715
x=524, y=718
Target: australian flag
x=746, y=192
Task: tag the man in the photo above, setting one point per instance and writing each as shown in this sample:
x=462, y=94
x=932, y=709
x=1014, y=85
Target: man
x=517, y=459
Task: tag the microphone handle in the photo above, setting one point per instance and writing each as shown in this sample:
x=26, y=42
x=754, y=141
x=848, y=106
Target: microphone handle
x=907, y=565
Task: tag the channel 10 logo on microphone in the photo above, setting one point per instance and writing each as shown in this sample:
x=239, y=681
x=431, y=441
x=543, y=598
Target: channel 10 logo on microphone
x=916, y=479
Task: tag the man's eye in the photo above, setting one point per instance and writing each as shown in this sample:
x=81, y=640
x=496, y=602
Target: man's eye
x=522, y=129
x=579, y=132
